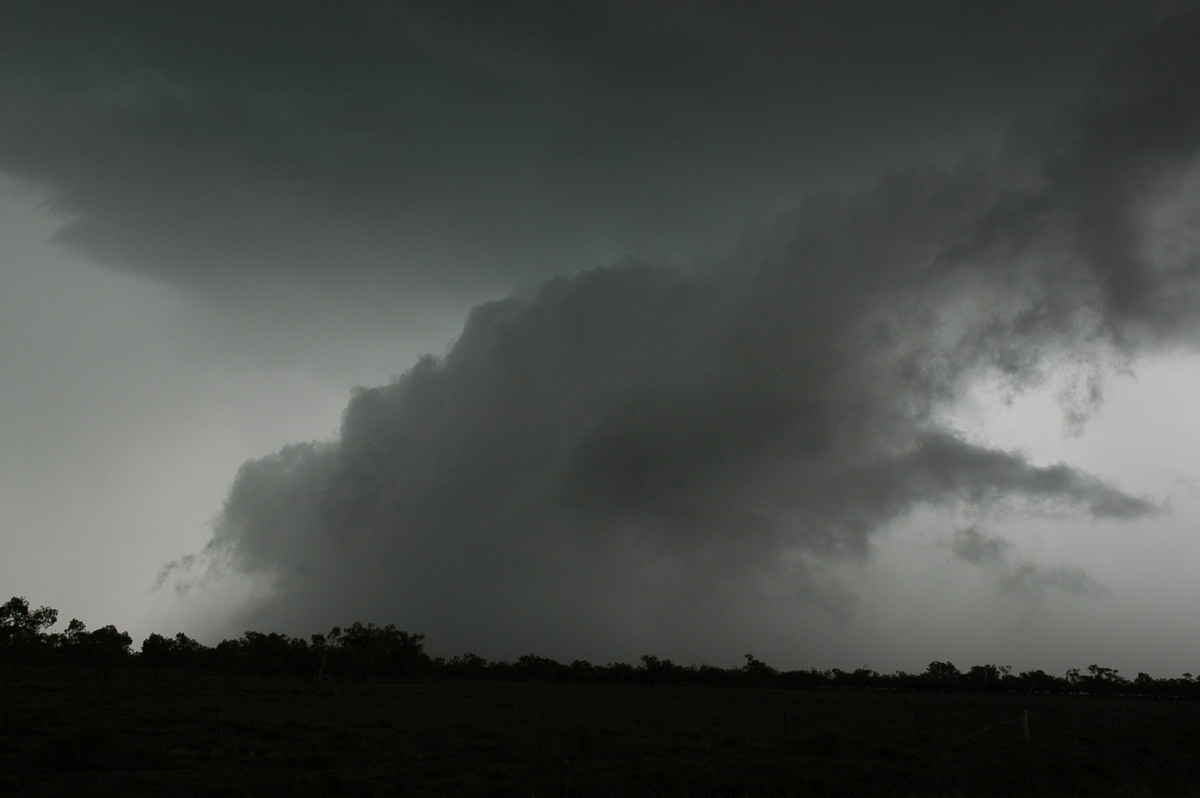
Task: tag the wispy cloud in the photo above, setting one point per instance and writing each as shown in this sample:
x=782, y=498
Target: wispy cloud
x=1016, y=574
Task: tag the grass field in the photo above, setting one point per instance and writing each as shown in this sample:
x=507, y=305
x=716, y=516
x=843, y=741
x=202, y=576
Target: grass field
x=145, y=733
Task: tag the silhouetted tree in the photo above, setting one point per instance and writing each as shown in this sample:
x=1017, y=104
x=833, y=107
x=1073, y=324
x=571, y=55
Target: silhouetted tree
x=620, y=673
x=583, y=671
x=659, y=671
x=861, y=679
x=809, y=679
x=372, y=651
x=1145, y=684
x=756, y=672
x=1039, y=681
x=21, y=630
x=107, y=647
x=186, y=653
x=1102, y=681
x=156, y=651
x=74, y=644
x=468, y=666
x=230, y=656
x=986, y=678
x=367, y=651
x=942, y=675
x=532, y=668
x=268, y=654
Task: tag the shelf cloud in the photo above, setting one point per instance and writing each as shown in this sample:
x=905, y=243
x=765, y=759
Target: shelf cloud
x=653, y=444
x=660, y=446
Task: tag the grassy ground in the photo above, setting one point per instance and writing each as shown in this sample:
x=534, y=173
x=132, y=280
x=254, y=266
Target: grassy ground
x=150, y=734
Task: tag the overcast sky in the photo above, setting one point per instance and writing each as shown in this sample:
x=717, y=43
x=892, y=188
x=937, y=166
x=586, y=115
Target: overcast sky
x=844, y=334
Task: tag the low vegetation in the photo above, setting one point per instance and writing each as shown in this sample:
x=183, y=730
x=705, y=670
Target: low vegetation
x=365, y=711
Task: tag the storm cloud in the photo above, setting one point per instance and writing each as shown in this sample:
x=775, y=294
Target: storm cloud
x=816, y=240
x=650, y=447
x=230, y=149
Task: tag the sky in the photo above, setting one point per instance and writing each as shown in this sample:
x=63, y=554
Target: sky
x=841, y=333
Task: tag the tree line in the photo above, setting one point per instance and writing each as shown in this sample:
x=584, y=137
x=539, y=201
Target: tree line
x=364, y=652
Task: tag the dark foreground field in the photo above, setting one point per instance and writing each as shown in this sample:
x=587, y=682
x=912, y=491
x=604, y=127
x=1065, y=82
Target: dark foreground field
x=141, y=733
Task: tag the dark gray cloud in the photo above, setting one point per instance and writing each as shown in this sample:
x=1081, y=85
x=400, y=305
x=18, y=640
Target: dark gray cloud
x=646, y=451
x=630, y=441
x=373, y=149
x=1017, y=574
x=643, y=447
